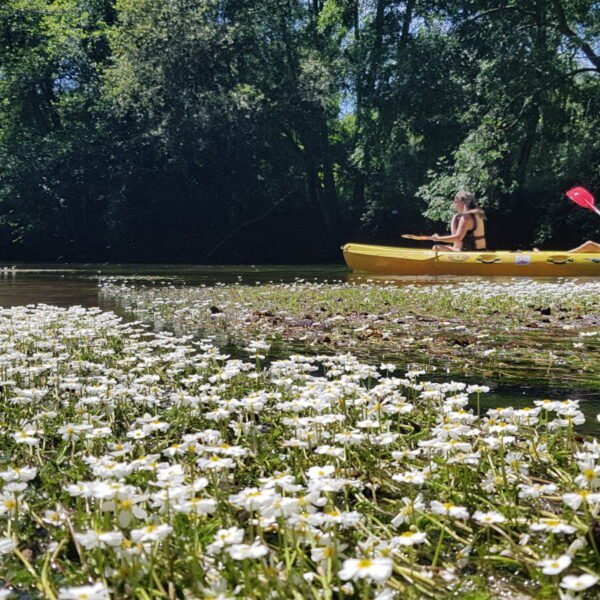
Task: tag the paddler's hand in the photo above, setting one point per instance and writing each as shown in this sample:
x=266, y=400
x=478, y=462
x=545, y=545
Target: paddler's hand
x=435, y=237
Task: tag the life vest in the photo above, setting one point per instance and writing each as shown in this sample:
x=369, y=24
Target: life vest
x=475, y=237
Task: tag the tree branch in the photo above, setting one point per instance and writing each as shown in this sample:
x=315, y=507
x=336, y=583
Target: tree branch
x=564, y=28
x=491, y=11
x=250, y=222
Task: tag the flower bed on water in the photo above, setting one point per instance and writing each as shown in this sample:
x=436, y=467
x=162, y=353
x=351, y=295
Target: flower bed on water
x=143, y=465
x=519, y=329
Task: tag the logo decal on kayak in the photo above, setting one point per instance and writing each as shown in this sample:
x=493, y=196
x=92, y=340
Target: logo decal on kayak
x=458, y=257
x=522, y=259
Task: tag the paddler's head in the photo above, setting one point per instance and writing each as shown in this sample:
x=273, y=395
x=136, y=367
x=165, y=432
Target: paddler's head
x=464, y=201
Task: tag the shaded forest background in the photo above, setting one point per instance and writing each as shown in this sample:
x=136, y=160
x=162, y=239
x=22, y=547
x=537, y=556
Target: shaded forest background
x=274, y=130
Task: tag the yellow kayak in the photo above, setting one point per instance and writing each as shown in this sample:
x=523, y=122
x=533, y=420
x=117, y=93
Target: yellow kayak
x=390, y=260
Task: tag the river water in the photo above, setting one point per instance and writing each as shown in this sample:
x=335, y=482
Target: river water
x=68, y=285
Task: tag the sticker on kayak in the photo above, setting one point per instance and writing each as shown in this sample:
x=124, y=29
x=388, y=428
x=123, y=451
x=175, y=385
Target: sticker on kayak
x=458, y=257
x=522, y=259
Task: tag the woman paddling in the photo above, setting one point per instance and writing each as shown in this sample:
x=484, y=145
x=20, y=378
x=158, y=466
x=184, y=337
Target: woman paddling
x=467, y=228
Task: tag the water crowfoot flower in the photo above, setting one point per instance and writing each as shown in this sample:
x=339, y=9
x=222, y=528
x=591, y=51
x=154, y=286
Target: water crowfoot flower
x=374, y=569
x=553, y=525
x=449, y=509
x=85, y=592
x=488, y=518
x=410, y=538
x=578, y=583
x=243, y=551
x=554, y=566
x=315, y=455
x=151, y=533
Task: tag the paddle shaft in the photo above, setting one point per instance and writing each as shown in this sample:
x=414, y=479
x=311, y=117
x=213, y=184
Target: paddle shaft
x=410, y=236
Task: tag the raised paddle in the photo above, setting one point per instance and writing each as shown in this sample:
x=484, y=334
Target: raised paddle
x=583, y=198
x=410, y=236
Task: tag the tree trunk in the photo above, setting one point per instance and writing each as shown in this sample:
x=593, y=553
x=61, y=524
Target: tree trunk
x=366, y=103
x=406, y=21
x=531, y=125
x=566, y=30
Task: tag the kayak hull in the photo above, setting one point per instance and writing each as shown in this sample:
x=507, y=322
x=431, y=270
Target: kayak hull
x=391, y=260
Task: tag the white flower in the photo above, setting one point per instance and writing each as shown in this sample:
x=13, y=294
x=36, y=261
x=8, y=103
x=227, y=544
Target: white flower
x=93, y=539
x=410, y=538
x=478, y=389
x=408, y=510
x=253, y=498
x=574, y=499
x=449, y=509
x=552, y=525
x=225, y=537
x=554, y=566
x=578, y=584
x=376, y=569
x=319, y=472
x=242, y=551
x=197, y=506
x=54, y=517
x=84, y=592
x=26, y=436
x=324, y=553
x=151, y=533
x=536, y=490
x=414, y=477
x=18, y=474
x=216, y=463
x=488, y=518
x=334, y=451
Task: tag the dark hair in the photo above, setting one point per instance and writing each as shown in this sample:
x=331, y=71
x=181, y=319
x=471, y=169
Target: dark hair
x=468, y=198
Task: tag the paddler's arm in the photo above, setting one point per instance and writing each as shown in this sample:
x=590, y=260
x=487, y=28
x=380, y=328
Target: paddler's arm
x=461, y=231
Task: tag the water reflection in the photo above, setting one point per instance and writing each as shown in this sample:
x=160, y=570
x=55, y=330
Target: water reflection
x=78, y=284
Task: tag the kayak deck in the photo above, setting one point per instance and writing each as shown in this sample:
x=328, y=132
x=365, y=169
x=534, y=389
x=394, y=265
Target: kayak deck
x=391, y=260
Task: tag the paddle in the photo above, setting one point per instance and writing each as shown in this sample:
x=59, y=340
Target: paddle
x=410, y=236
x=583, y=198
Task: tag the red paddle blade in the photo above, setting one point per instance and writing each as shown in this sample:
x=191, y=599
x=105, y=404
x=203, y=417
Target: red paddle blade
x=582, y=197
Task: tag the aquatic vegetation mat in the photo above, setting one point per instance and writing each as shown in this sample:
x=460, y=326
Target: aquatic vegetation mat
x=145, y=465
x=519, y=329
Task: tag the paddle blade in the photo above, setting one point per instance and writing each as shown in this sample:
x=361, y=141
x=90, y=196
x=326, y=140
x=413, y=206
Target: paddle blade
x=581, y=197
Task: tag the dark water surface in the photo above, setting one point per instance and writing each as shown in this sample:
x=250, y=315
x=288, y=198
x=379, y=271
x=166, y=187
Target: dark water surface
x=68, y=285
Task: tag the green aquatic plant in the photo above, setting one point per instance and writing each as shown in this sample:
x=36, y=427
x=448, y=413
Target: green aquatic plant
x=513, y=329
x=136, y=464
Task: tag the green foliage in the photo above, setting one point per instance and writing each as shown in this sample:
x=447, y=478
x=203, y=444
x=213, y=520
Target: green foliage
x=245, y=130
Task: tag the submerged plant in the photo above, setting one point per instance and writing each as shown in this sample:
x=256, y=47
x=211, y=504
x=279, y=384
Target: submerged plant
x=514, y=329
